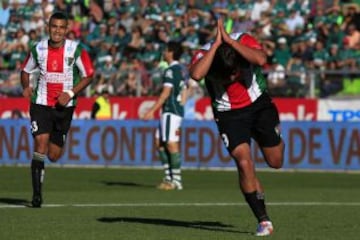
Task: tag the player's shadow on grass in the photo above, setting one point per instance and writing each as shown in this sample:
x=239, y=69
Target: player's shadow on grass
x=14, y=201
x=210, y=226
x=126, y=184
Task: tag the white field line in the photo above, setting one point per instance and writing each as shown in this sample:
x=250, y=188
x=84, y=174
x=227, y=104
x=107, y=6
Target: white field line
x=356, y=204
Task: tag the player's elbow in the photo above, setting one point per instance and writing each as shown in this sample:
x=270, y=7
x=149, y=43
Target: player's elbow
x=196, y=76
x=261, y=59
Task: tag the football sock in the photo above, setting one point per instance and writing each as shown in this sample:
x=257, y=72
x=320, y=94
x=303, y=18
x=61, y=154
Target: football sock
x=164, y=158
x=175, y=165
x=37, y=172
x=257, y=204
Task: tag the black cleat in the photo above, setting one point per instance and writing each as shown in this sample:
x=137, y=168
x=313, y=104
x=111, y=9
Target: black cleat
x=36, y=201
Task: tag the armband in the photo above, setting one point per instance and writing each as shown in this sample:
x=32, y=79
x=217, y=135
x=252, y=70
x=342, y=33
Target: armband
x=70, y=93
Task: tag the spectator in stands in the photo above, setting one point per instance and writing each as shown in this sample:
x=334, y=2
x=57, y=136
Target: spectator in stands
x=276, y=79
x=111, y=36
x=351, y=15
x=130, y=86
x=106, y=76
x=347, y=56
x=320, y=55
x=122, y=39
x=296, y=81
x=352, y=37
x=99, y=36
x=37, y=23
x=335, y=35
x=259, y=7
x=17, y=56
x=4, y=13
x=331, y=83
x=10, y=85
x=136, y=44
x=282, y=52
x=294, y=20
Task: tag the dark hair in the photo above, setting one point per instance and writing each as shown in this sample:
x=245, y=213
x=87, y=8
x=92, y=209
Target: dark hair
x=227, y=61
x=176, y=48
x=58, y=15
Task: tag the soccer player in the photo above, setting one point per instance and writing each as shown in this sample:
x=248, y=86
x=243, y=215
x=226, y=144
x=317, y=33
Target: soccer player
x=171, y=100
x=231, y=65
x=65, y=70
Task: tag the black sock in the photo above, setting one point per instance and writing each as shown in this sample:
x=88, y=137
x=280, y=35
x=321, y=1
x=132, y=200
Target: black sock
x=37, y=171
x=257, y=205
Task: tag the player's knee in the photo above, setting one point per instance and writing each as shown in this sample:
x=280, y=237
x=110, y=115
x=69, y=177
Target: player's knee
x=54, y=157
x=245, y=165
x=275, y=162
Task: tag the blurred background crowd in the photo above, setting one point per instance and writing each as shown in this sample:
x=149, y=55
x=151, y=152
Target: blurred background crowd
x=313, y=47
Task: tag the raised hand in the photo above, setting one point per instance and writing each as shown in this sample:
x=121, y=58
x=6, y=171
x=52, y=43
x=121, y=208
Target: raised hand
x=218, y=39
x=224, y=35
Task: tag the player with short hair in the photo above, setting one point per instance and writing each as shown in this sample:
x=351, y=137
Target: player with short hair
x=171, y=100
x=65, y=70
x=231, y=65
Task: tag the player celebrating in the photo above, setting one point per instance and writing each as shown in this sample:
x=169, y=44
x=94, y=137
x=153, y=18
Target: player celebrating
x=65, y=70
x=231, y=66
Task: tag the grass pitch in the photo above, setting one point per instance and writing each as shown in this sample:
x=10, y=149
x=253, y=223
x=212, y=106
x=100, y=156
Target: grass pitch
x=108, y=204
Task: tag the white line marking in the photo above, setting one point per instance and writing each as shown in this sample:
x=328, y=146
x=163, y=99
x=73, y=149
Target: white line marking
x=356, y=204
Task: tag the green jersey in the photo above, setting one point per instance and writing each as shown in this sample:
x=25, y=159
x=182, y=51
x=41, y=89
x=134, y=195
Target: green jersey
x=173, y=77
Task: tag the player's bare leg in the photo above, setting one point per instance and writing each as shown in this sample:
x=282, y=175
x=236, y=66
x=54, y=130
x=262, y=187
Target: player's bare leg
x=251, y=188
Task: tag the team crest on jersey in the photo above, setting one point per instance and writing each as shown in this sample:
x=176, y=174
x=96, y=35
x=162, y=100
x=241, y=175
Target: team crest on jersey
x=69, y=61
x=54, y=65
x=169, y=73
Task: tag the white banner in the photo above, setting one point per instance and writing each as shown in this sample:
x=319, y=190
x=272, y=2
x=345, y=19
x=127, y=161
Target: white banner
x=339, y=110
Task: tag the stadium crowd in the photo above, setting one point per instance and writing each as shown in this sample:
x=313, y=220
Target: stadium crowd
x=125, y=39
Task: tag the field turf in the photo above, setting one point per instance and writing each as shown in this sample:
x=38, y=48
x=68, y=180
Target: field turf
x=111, y=204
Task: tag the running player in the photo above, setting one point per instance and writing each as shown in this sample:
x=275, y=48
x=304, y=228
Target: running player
x=65, y=70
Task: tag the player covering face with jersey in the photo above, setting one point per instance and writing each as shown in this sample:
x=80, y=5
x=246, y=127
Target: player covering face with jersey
x=243, y=110
x=65, y=70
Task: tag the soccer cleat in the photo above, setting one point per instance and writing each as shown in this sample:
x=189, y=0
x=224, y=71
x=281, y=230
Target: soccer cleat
x=177, y=185
x=36, y=201
x=166, y=185
x=265, y=228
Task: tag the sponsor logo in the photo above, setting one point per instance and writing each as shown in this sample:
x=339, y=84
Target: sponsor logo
x=345, y=115
x=69, y=61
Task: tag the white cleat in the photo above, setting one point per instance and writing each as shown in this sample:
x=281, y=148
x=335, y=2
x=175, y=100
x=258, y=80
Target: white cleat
x=265, y=228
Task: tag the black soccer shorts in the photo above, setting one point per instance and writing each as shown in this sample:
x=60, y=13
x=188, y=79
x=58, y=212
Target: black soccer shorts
x=259, y=121
x=55, y=121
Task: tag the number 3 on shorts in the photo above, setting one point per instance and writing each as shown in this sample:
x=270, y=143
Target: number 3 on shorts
x=34, y=127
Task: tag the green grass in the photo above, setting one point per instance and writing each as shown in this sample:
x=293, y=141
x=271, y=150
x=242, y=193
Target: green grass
x=107, y=204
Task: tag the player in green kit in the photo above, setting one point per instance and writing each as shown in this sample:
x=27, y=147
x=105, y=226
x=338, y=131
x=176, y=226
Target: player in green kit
x=171, y=100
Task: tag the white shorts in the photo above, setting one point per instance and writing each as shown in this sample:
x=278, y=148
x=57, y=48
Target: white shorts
x=170, y=128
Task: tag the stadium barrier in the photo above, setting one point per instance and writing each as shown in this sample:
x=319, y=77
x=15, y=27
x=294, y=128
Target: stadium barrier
x=309, y=145
x=126, y=108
